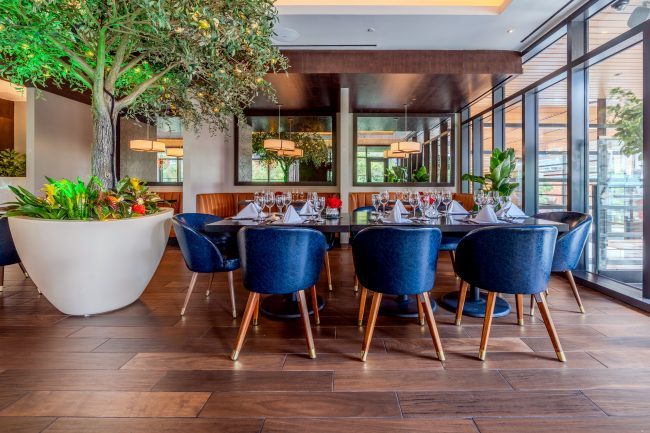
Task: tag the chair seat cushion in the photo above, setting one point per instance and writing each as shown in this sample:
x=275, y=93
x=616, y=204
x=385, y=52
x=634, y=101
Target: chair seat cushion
x=449, y=242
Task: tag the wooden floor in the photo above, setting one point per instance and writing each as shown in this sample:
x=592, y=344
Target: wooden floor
x=146, y=369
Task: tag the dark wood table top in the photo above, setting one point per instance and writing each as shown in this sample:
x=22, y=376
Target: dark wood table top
x=359, y=220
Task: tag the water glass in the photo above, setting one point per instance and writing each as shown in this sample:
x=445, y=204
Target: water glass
x=446, y=200
x=385, y=197
x=260, y=201
x=414, y=201
x=376, y=201
x=288, y=198
x=479, y=194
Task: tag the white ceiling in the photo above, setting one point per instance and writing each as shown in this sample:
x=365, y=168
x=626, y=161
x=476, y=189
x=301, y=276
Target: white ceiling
x=424, y=31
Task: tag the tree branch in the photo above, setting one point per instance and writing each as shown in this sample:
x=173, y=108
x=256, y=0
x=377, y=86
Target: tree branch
x=85, y=67
x=116, y=68
x=131, y=64
x=142, y=87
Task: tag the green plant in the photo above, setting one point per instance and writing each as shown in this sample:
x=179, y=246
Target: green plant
x=12, y=163
x=68, y=200
x=202, y=61
x=502, y=164
x=395, y=174
x=313, y=146
x=627, y=118
x=420, y=175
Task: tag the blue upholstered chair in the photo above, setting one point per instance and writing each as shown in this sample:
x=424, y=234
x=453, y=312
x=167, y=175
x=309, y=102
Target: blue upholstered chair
x=8, y=253
x=201, y=253
x=569, y=246
x=359, y=209
x=397, y=261
x=512, y=260
x=280, y=261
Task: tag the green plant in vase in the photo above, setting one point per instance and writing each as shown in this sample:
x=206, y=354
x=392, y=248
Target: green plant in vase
x=502, y=165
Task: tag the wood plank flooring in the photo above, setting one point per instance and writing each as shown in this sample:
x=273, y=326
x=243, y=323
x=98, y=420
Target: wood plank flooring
x=147, y=369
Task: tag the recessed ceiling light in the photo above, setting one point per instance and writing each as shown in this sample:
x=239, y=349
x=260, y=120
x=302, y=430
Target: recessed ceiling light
x=285, y=34
x=370, y=29
x=510, y=31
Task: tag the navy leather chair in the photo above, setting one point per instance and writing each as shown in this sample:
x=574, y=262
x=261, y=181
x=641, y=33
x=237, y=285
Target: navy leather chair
x=359, y=209
x=202, y=254
x=279, y=261
x=512, y=260
x=397, y=261
x=569, y=246
x=8, y=253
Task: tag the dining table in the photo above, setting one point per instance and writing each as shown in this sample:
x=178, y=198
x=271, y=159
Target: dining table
x=286, y=307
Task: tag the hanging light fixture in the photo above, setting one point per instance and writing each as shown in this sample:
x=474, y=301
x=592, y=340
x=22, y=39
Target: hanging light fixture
x=295, y=153
x=174, y=152
x=147, y=145
x=278, y=144
x=390, y=153
x=408, y=147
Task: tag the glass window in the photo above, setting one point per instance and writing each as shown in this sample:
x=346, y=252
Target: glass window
x=552, y=148
x=616, y=166
x=488, y=143
x=312, y=162
x=514, y=139
x=609, y=22
x=481, y=104
x=546, y=62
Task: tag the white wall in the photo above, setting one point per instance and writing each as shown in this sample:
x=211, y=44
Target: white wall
x=58, y=138
x=20, y=126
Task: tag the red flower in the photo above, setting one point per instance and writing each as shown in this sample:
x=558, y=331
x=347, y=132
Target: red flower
x=278, y=193
x=333, y=202
x=139, y=208
x=432, y=200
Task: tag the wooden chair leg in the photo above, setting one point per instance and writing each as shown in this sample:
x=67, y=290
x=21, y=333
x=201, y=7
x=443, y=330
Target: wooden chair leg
x=327, y=268
x=253, y=300
x=520, y=309
x=189, y=292
x=314, y=305
x=462, y=294
x=22, y=268
x=420, y=311
x=2, y=278
x=532, y=306
x=572, y=283
x=356, y=282
x=370, y=328
x=207, y=292
x=231, y=286
x=431, y=321
x=487, y=324
x=550, y=327
x=452, y=255
x=304, y=313
x=362, y=305
x=256, y=313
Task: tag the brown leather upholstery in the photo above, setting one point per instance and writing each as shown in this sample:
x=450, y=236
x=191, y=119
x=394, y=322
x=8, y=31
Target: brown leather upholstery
x=361, y=199
x=466, y=200
x=223, y=204
x=174, y=198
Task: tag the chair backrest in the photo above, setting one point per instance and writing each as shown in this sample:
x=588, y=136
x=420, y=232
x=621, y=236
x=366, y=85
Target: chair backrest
x=199, y=252
x=364, y=209
x=466, y=200
x=8, y=253
x=569, y=245
x=397, y=260
x=280, y=260
x=515, y=260
x=197, y=220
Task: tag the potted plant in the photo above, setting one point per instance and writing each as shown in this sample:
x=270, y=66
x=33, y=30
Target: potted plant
x=12, y=163
x=89, y=250
x=502, y=165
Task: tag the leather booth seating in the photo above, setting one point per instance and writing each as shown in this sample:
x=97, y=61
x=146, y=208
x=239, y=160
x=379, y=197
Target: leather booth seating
x=174, y=200
x=226, y=204
x=363, y=199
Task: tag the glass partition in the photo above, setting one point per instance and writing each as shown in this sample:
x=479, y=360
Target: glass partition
x=610, y=22
x=514, y=139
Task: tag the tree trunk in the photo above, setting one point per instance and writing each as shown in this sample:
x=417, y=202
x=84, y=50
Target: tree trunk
x=102, y=151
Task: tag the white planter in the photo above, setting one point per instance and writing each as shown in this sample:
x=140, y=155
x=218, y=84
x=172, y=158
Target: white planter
x=91, y=267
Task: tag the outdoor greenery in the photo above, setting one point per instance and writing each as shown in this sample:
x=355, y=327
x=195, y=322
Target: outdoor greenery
x=420, y=175
x=502, y=164
x=200, y=60
x=627, y=118
x=313, y=145
x=396, y=174
x=68, y=200
x=12, y=163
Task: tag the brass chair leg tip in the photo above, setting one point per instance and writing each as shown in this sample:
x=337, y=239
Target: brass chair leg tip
x=520, y=322
x=356, y=288
x=582, y=310
x=312, y=353
x=317, y=322
x=421, y=322
x=234, y=355
x=457, y=323
x=481, y=355
x=360, y=322
x=330, y=287
x=255, y=322
x=441, y=356
x=363, y=356
x=207, y=293
x=182, y=311
x=560, y=356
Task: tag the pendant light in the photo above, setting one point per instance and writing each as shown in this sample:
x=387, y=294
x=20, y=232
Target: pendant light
x=295, y=153
x=278, y=144
x=408, y=147
x=174, y=152
x=390, y=153
x=147, y=145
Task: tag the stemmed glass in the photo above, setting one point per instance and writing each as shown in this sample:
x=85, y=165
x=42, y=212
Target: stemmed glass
x=319, y=205
x=506, y=204
x=384, y=200
x=376, y=201
x=270, y=200
x=446, y=200
x=279, y=202
x=425, y=205
x=414, y=201
x=437, y=200
x=479, y=194
x=492, y=198
x=287, y=199
x=260, y=201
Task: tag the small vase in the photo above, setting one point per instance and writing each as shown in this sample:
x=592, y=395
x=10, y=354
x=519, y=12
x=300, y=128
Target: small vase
x=331, y=212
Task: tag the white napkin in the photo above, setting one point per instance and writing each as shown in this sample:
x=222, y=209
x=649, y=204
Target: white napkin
x=487, y=216
x=400, y=206
x=249, y=212
x=395, y=216
x=457, y=208
x=307, y=209
x=291, y=216
x=514, y=212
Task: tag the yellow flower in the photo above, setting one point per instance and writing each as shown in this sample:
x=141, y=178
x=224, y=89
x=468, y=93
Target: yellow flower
x=203, y=24
x=49, y=191
x=135, y=183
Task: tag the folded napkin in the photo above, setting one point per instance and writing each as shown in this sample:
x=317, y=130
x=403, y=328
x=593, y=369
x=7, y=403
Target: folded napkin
x=487, y=216
x=514, y=212
x=249, y=212
x=457, y=209
x=395, y=216
x=307, y=209
x=291, y=216
x=400, y=206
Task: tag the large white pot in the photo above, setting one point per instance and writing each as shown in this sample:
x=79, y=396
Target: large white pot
x=91, y=267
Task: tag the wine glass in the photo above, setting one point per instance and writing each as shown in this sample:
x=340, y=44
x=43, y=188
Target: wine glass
x=319, y=204
x=270, y=200
x=491, y=198
x=446, y=200
x=506, y=204
x=384, y=196
x=414, y=201
x=260, y=201
x=478, y=198
x=425, y=205
x=376, y=201
x=437, y=201
x=287, y=199
x=279, y=202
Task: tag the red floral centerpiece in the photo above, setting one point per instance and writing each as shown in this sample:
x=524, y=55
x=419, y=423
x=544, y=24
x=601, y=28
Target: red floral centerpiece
x=332, y=205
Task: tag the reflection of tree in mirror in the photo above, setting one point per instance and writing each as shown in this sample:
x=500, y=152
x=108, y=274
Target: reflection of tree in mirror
x=12, y=163
x=627, y=118
x=314, y=147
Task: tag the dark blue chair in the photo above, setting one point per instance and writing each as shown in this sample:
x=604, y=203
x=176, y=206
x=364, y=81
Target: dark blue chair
x=352, y=234
x=8, y=253
x=280, y=261
x=569, y=246
x=512, y=260
x=202, y=254
x=397, y=261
